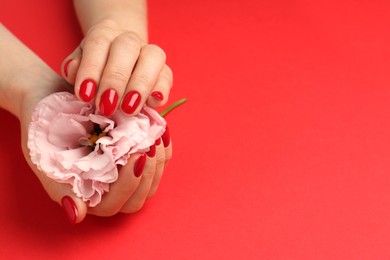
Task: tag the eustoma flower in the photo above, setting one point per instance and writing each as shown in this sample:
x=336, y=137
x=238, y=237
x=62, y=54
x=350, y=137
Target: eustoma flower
x=72, y=143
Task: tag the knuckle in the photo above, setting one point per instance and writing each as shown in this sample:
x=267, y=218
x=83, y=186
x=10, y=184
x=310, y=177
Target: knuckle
x=98, y=41
x=143, y=79
x=117, y=73
x=129, y=40
x=157, y=51
x=91, y=67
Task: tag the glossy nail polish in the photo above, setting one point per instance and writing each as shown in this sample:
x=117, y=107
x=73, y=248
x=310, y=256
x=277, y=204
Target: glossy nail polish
x=108, y=102
x=157, y=95
x=166, y=137
x=158, y=141
x=66, y=67
x=131, y=102
x=152, y=151
x=70, y=209
x=87, y=90
x=139, y=165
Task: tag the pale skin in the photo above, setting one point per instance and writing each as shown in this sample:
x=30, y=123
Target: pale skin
x=116, y=55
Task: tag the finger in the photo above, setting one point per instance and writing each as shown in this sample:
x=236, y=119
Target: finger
x=160, y=93
x=95, y=48
x=128, y=180
x=160, y=163
x=166, y=140
x=137, y=200
x=149, y=66
x=70, y=65
x=123, y=55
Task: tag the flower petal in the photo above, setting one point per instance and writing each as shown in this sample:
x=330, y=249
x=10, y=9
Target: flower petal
x=66, y=130
x=59, y=145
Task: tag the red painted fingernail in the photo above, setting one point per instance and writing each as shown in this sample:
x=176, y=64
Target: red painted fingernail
x=87, y=90
x=70, y=209
x=66, y=67
x=108, y=102
x=131, y=102
x=166, y=137
x=152, y=151
x=157, y=95
x=158, y=141
x=139, y=165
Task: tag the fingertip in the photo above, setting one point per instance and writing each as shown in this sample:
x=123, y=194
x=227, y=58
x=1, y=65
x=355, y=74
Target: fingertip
x=132, y=103
x=74, y=208
x=69, y=69
x=70, y=66
x=157, y=99
x=65, y=67
x=157, y=95
x=160, y=94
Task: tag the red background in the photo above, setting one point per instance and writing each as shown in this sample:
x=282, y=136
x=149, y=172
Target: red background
x=282, y=151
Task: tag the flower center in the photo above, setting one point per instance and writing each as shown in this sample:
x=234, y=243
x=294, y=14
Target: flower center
x=94, y=137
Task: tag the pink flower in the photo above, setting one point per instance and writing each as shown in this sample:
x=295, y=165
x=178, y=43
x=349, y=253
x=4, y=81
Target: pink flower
x=72, y=143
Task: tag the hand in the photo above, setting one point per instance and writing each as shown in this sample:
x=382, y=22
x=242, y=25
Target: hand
x=138, y=179
x=116, y=69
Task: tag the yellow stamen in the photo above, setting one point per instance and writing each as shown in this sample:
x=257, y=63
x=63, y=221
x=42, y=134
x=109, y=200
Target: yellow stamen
x=94, y=137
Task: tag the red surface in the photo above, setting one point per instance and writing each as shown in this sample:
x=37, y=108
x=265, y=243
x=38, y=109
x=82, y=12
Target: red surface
x=282, y=151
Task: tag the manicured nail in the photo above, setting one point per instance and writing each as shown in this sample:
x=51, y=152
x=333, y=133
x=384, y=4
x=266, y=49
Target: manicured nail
x=157, y=95
x=131, y=102
x=66, y=67
x=139, y=165
x=108, y=102
x=152, y=151
x=87, y=90
x=158, y=141
x=70, y=209
x=166, y=137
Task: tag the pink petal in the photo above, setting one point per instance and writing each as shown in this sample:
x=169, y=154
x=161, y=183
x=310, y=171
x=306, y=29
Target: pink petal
x=65, y=130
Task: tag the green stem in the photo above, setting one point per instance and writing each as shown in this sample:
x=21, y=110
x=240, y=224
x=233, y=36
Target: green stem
x=173, y=106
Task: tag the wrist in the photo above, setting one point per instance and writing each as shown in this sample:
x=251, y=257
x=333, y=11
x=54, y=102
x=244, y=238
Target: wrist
x=113, y=25
x=129, y=15
x=24, y=85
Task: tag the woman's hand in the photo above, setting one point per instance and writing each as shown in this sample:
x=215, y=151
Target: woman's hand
x=137, y=181
x=25, y=82
x=116, y=69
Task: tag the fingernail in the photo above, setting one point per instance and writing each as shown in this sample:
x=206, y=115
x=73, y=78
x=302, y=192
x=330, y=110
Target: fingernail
x=87, y=90
x=158, y=141
x=108, y=102
x=166, y=137
x=66, y=67
x=139, y=165
x=70, y=209
x=152, y=151
x=131, y=102
x=157, y=95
